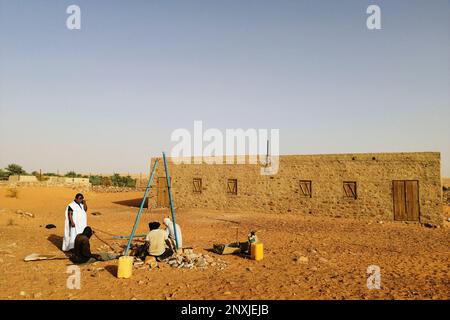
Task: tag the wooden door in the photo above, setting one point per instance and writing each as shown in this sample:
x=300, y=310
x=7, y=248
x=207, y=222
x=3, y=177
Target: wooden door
x=162, y=200
x=406, y=200
x=412, y=200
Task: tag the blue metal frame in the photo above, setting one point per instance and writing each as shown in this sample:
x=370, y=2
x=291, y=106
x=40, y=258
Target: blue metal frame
x=142, y=207
x=169, y=188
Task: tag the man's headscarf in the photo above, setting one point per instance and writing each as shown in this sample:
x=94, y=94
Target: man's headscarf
x=87, y=232
x=167, y=222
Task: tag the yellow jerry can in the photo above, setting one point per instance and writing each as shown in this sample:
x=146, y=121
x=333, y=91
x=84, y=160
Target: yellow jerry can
x=125, y=269
x=257, y=251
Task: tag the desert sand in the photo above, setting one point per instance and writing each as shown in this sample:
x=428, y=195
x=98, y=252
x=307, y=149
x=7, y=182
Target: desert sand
x=305, y=257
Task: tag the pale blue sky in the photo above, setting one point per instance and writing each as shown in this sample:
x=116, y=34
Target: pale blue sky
x=107, y=97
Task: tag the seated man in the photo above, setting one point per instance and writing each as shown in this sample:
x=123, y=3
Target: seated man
x=170, y=233
x=156, y=242
x=82, y=249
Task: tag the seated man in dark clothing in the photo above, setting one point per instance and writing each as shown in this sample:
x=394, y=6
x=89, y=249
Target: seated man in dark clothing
x=82, y=250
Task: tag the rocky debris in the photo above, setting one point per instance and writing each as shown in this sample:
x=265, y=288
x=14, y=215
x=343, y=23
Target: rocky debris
x=138, y=263
x=25, y=214
x=113, y=189
x=96, y=213
x=429, y=225
x=151, y=262
x=95, y=271
x=301, y=259
x=190, y=260
x=50, y=226
x=323, y=260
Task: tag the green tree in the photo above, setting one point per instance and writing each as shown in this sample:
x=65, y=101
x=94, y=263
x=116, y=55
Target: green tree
x=15, y=169
x=50, y=174
x=3, y=175
x=73, y=174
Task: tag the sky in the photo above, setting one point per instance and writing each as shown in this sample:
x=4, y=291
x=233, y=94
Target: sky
x=107, y=97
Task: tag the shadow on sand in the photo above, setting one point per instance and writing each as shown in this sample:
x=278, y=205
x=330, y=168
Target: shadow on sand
x=56, y=240
x=112, y=269
x=134, y=203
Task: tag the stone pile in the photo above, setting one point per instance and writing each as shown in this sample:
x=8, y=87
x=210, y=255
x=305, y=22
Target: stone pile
x=190, y=260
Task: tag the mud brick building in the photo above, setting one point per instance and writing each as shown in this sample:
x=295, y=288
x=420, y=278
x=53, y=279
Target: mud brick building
x=386, y=186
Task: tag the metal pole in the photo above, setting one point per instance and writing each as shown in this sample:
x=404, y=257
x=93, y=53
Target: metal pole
x=142, y=206
x=169, y=188
x=127, y=237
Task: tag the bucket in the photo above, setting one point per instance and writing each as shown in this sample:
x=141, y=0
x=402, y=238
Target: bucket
x=257, y=251
x=125, y=269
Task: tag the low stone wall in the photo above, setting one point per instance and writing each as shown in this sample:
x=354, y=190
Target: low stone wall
x=32, y=181
x=20, y=179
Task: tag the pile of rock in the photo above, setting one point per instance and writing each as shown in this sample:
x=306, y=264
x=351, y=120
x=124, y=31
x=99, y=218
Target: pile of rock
x=190, y=260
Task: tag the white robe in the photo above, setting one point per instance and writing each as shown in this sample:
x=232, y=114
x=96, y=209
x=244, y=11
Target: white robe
x=170, y=232
x=80, y=220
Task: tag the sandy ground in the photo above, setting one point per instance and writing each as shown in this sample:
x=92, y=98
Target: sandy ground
x=414, y=260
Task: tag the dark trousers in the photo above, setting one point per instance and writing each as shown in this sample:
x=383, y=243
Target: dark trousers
x=168, y=253
x=142, y=252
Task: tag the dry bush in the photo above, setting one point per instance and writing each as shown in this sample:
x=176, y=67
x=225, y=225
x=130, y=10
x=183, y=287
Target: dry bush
x=12, y=193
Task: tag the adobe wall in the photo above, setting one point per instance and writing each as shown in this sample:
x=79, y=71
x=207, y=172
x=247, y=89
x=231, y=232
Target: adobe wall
x=280, y=193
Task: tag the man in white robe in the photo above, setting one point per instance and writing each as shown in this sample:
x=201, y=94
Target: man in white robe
x=171, y=234
x=75, y=221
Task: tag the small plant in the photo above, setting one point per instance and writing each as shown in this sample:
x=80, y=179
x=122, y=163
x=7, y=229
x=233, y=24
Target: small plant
x=12, y=193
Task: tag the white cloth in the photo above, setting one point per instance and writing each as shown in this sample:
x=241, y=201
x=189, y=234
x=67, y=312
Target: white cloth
x=170, y=232
x=80, y=220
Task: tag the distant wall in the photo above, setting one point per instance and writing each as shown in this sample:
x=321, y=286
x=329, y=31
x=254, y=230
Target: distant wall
x=50, y=182
x=22, y=179
x=372, y=173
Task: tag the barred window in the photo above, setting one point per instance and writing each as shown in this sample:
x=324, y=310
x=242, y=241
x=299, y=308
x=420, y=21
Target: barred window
x=350, y=189
x=197, y=183
x=305, y=188
x=232, y=186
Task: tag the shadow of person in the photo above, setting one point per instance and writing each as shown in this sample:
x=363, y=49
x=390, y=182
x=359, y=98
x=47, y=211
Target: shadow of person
x=112, y=269
x=56, y=240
